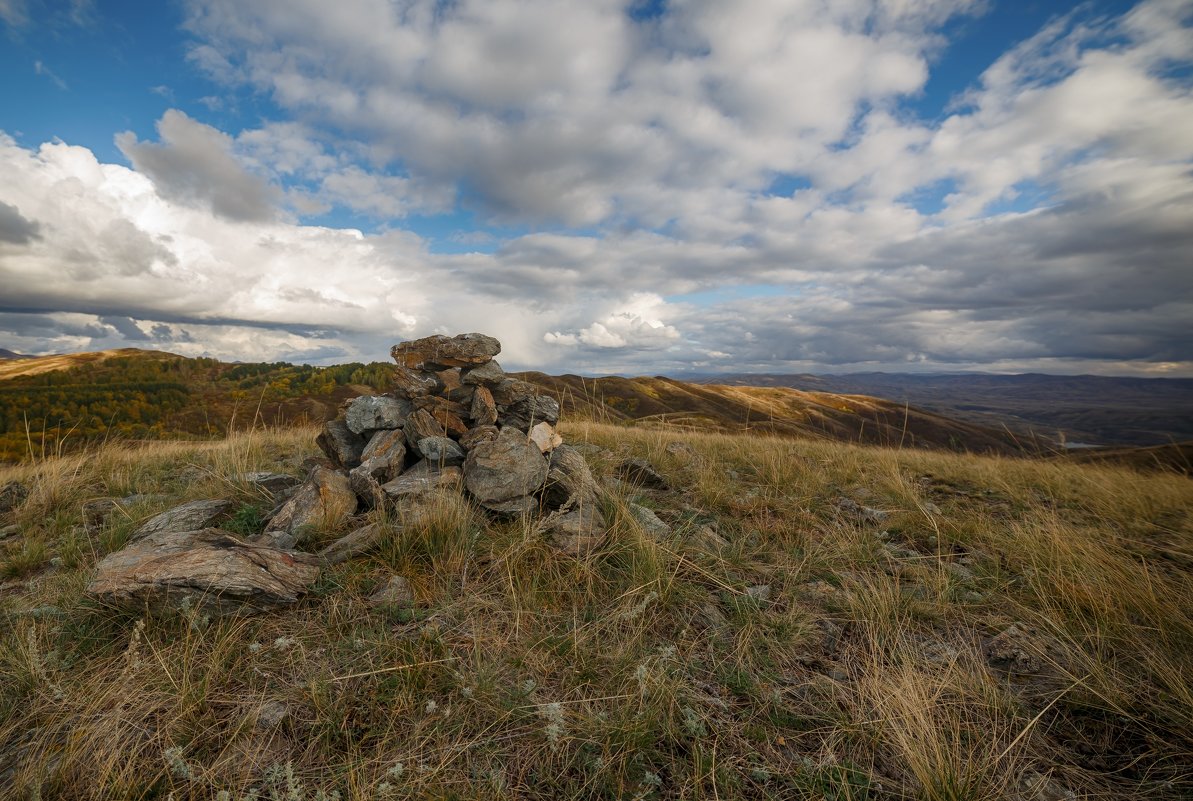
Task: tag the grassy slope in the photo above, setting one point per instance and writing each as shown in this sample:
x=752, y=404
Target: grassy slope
x=646, y=670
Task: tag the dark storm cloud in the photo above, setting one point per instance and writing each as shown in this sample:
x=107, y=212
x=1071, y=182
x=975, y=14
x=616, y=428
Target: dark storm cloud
x=14, y=228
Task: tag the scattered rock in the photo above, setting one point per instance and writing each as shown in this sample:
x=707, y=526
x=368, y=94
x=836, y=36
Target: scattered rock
x=440, y=352
x=1012, y=651
x=641, y=473
x=706, y=537
x=207, y=570
x=271, y=714
x=504, y=473
x=759, y=592
x=325, y=500
x=568, y=476
x=865, y=513
x=395, y=592
x=577, y=532
x=441, y=451
x=370, y=413
x=187, y=517
x=543, y=435
x=649, y=521
x=341, y=445
x=358, y=543
x=12, y=495
x=681, y=450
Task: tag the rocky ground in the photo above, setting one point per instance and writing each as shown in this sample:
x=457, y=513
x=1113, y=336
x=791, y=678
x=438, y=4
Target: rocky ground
x=463, y=596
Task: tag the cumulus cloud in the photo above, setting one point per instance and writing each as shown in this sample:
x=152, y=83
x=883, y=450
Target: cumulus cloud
x=641, y=154
x=14, y=228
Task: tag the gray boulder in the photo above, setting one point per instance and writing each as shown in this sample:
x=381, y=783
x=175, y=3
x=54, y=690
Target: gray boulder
x=207, y=570
x=325, y=500
x=488, y=375
x=440, y=352
x=641, y=473
x=421, y=480
x=186, y=517
x=441, y=451
x=524, y=413
x=375, y=412
x=504, y=473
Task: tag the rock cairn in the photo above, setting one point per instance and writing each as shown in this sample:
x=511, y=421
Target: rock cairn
x=454, y=422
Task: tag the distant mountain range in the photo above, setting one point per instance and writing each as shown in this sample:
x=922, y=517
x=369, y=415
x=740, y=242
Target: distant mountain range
x=5, y=353
x=1083, y=409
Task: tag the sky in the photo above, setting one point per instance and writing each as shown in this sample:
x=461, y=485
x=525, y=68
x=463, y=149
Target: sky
x=607, y=186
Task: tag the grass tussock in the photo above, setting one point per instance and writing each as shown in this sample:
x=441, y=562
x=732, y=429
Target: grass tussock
x=818, y=621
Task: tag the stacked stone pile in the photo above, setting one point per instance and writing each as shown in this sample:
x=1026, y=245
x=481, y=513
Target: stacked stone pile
x=454, y=422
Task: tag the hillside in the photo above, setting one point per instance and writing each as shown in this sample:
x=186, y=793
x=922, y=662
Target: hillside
x=1098, y=410
x=786, y=619
x=67, y=401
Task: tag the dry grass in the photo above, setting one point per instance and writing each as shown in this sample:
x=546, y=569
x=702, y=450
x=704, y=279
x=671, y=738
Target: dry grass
x=651, y=669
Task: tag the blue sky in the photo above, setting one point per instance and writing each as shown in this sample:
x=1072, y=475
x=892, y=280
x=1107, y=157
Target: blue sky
x=606, y=186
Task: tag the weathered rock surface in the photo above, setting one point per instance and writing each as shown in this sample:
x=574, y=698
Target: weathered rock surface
x=579, y=531
x=440, y=352
x=326, y=499
x=208, y=570
x=483, y=410
x=420, y=481
x=568, y=476
x=504, y=473
x=272, y=483
x=488, y=375
x=649, y=521
x=410, y=383
x=421, y=425
x=524, y=413
x=186, y=517
x=376, y=412
x=441, y=451
x=543, y=435
x=358, y=543
x=341, y=445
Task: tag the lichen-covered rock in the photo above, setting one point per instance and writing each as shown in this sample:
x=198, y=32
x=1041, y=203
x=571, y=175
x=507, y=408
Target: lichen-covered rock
x=186, y=517
x=365, y=485
x=325, y=500
x=207, y=570
x=478, y=434
x=504, y=473
x=410, y=383
x=357, y=543
x=370, y=413
x=440, y=352
x=340, y=444
x=386, y=447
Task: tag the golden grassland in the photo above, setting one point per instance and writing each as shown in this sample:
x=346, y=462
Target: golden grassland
x=655, y=668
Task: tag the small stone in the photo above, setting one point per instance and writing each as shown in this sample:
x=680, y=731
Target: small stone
x=439, y=352
x=543, y=435
x=9, y=531
x=483, y=410
x=706, y=537
x=271, y=714
x=759, y=592
x=186, y=517
x=271, y=483
x=641, y=473
x=1011, y=651
x=649, y=521
x=865, y=513
x=487, y=375
x=395, y=592
x=341, y=445
x=441, y=451
x=681, y=450
x=375, y=412
x=578, y=532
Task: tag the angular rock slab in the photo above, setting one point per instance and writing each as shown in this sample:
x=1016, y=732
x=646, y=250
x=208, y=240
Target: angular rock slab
x=341, y=445
x=527, y=412
x=207, y=570
x=421, y=480
x=578, y=532
x=439, y=352
x=376, y=412
x=503, y=473
x=569, y=477
x=190, y=516
x=441, y=451
x=325, y=499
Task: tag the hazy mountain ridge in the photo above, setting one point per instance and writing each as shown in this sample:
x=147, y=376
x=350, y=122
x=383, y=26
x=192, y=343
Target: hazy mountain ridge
x=1102, y=410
